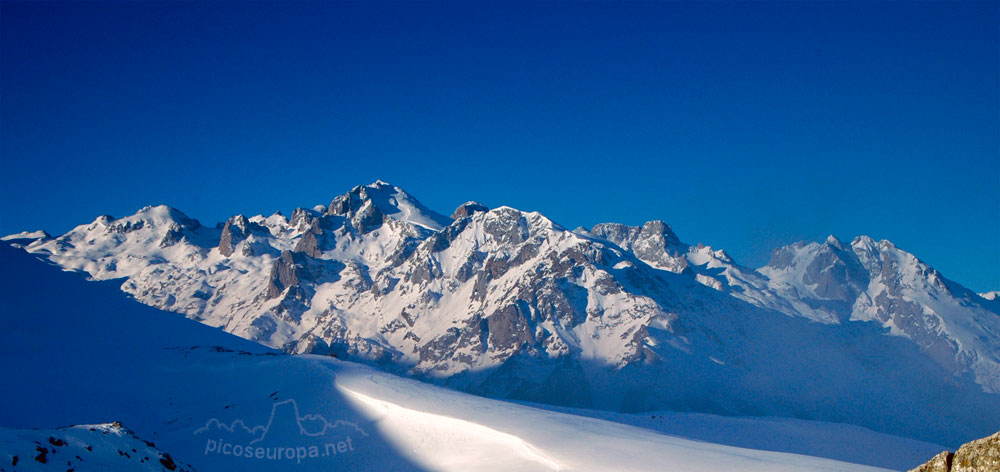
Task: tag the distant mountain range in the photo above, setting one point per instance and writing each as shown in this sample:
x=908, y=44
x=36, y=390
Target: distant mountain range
x=511, y=304
x=184, y=396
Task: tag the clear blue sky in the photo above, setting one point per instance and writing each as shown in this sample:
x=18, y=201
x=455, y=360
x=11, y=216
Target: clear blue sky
x=745, y=126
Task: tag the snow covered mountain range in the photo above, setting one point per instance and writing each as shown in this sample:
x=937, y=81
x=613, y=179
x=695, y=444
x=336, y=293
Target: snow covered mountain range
x=509, y=303
x=184, y=396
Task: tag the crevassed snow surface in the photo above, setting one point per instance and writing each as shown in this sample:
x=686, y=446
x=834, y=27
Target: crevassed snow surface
x=218, y=402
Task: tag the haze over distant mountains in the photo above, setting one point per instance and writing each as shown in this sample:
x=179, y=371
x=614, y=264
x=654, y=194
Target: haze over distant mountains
x=511, y=304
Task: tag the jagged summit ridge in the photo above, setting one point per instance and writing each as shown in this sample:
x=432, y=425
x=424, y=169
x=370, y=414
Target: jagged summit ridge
x=368, y=205
x=509, y=303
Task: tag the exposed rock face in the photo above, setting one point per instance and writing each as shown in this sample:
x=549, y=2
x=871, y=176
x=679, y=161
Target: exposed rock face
x=981, y=455
x=283, y=275
x=836, y=272
x=230, y=237
x=654, y=242
x=238, y=229
x=309, y=241
x=468, y=209
x=358, y=207
x=938, y=463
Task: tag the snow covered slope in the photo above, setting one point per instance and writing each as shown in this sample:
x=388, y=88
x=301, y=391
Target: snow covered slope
x=510, y=304
x=87, y=447
x=218, y=402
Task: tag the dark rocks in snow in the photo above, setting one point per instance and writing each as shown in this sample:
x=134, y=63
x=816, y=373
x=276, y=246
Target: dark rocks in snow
x=126, y=227
x=42, y=454
x=174, y=235
x=108, y=446
x=168, y=462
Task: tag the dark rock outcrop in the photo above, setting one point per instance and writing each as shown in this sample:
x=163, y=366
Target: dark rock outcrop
x=510, y=327
x=229, y=239
x=358, y=207
x=283, y=275
x=309, y=243
x=175, y=233
x=236, y=230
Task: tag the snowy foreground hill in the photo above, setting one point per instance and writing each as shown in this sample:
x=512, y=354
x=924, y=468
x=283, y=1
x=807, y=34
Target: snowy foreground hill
x=510, y=304
x=190, y=397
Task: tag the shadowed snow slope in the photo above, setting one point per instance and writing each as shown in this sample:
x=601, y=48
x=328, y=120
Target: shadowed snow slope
x=96, y=447
x=217, y=402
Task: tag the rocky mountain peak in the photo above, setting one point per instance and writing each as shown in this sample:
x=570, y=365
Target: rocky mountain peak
x=661, y=232
x=165, y=224
x=652, y=234
x=236, y=230
x=163, y=214
x=781, y=258
x=864, y=243
x=832, y=240
x=468, y=209
x=367, y=206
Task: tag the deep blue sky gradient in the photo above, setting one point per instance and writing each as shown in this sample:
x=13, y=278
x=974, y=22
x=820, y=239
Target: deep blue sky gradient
x=744, y=126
